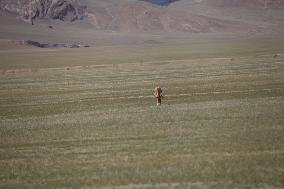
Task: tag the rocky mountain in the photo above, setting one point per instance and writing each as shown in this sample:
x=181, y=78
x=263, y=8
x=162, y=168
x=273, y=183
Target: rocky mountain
x=187, y=16
x=127, y=16
x=28, y=10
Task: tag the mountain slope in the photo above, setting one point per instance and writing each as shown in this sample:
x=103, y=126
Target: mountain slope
x=253, y=4
x=129, y=16
x=141, y=17
x=29, y=10
x=268, y=15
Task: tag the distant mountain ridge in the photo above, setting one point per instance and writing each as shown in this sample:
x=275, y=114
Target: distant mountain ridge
x=143, y=15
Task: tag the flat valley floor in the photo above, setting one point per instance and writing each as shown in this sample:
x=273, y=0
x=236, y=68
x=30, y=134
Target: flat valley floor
x=87, y=118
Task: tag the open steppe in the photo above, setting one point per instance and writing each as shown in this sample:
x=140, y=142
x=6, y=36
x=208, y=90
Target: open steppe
x=86, y=118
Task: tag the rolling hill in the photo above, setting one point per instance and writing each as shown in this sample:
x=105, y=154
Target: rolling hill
x=85, y=19
x=127, y=16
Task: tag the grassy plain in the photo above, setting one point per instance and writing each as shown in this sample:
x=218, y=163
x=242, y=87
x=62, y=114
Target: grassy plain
x=86, y=118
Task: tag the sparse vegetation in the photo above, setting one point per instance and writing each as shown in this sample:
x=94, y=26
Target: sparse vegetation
x=86, y=118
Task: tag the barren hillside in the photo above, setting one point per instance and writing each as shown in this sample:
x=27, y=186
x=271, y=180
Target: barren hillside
x=130, y=16
x=135, y=21
x=253, y=4
x=267, y=15
x=28, y=10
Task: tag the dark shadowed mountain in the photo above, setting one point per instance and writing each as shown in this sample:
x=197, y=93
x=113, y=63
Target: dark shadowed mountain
x=160, y=2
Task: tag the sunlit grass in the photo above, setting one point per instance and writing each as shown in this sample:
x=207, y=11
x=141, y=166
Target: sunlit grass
x=70, y=123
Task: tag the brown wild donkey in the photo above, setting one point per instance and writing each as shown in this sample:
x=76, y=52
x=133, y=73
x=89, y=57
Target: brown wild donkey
x=158, y=94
